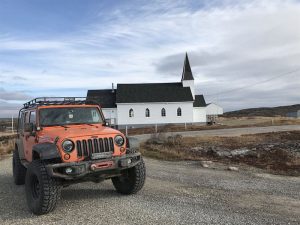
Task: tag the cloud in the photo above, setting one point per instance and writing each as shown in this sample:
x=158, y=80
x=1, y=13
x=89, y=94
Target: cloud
x=230, y=44
x=29, y=45
x=9, y=109
x=16, y=95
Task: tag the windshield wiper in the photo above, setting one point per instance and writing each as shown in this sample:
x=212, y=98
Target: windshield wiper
x=55, y=125
x=90, y=124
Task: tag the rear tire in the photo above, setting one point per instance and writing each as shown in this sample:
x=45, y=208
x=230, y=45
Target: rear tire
x=19, y=171
x=132, y=180
x=42, y=191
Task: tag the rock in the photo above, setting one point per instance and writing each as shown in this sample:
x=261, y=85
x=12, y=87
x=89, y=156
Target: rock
x=205, y=164
x=251, y=154
x=239, y=152
x=222, y=153
x=233, y=168
x=197, y=148
x=218, y=151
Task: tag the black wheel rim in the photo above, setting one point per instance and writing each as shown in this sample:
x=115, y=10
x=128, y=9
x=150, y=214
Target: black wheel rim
x=35, y=187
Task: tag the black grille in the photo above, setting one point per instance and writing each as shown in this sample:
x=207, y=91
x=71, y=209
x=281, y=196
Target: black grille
x=86, y=147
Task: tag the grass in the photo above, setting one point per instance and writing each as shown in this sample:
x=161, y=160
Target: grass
x=7, y=145
x=278, y=157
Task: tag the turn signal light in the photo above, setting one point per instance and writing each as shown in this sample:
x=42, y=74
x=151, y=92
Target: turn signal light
x=67, y=156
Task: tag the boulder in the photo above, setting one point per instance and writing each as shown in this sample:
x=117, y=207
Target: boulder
x=233, y=168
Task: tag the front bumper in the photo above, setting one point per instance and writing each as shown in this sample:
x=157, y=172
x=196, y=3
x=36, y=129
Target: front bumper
x=108, y=166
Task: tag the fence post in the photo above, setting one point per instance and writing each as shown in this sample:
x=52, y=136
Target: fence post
x=126, y=130
x=185, y=126
x=155, y=128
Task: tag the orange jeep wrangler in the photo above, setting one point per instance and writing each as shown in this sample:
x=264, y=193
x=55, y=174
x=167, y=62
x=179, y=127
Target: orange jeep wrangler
x=62, y=141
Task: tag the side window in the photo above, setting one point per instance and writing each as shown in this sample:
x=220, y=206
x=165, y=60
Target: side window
x=21, y=121
x=26, y=117
x=32, y=118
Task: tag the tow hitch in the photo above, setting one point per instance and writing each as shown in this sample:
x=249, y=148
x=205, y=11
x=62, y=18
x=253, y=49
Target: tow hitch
x=101, y=165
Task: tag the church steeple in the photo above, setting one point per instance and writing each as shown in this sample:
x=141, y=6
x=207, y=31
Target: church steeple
x=187, y=71
x=187, y=78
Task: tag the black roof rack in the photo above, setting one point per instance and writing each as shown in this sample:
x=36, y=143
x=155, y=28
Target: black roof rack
x=58, y=101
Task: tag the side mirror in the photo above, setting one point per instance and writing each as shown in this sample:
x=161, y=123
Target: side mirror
x=29, y=127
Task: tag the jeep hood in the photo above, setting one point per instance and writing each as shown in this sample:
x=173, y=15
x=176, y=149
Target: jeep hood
x=77, y=131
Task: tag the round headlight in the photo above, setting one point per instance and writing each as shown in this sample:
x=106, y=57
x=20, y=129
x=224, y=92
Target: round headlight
x=119, y=140
x=68, y=146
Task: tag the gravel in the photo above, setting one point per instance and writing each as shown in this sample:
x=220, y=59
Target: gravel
x=175, y=193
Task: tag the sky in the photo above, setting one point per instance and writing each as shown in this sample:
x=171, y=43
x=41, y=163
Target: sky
x=243, y=54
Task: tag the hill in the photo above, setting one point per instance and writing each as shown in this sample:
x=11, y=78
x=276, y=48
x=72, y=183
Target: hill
x=264, y=111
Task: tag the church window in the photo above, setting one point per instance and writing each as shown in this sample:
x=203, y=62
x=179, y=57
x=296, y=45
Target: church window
x=147, y=113
x=163, y=112
x=179, y=113
x=131, y=113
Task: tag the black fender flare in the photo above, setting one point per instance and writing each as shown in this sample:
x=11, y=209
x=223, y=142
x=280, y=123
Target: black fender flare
x=19, y=147
x=46, y=151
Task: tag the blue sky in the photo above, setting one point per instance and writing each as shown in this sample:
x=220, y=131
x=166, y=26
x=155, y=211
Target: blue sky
x=64, y=48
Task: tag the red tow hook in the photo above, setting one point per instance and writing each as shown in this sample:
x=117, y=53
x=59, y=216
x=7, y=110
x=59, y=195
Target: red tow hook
x=101, y=165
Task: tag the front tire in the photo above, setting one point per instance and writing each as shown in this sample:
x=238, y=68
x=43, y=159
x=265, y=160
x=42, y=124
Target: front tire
x=42, y=191
x=19, y=171
x=132, y=180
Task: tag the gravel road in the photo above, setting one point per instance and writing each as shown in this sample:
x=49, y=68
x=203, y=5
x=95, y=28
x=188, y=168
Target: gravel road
x=175, y=193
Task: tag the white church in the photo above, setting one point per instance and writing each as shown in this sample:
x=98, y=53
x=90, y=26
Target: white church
x=137, y=105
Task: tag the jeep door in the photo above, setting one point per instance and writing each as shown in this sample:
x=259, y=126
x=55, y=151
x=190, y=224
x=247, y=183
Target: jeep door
x=29, y=136
x=20, y=140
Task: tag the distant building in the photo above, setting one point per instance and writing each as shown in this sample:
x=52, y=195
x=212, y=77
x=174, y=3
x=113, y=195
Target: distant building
x=213, y=109
x=155, y=103
x=294, y=114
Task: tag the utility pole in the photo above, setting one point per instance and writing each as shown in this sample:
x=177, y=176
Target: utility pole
x=12, y=124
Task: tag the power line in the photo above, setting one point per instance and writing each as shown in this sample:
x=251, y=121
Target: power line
x=260, y=82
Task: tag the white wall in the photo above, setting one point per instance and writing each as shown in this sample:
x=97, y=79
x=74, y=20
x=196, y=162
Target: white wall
x=110, y=114
x=199, y=114
x=214, y=109
x=155, y=113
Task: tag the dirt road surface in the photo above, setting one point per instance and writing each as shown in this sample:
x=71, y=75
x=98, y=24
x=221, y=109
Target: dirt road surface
x=175, y=193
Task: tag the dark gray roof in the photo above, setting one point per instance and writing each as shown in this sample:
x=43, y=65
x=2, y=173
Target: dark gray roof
x=153, y=92
x=106, y=98
x=187, y=71
x=199, y=101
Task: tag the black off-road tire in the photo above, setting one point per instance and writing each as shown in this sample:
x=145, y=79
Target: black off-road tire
x=42, y=191
x=19, y=171
x=132, y=180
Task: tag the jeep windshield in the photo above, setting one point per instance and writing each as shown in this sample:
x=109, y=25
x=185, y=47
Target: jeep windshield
x=69, y=116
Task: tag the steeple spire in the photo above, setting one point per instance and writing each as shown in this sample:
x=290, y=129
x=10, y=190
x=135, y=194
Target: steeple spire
x=187, y=71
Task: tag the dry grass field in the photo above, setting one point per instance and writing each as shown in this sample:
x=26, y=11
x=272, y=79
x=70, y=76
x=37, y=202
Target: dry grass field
x=7, y=144
x=276, y=152
x=257, y=121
